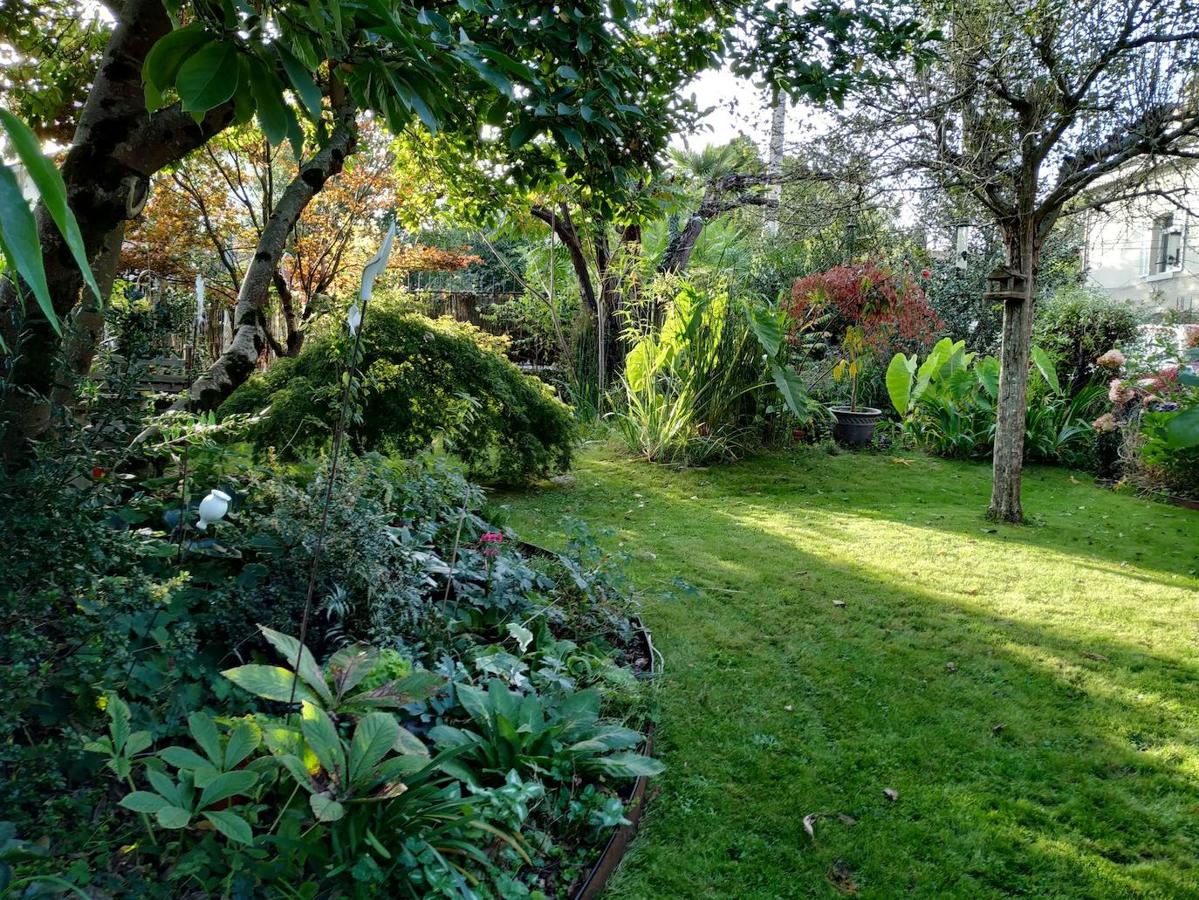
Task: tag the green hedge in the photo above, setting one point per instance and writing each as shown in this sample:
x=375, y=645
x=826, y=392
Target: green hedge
x=428, y=383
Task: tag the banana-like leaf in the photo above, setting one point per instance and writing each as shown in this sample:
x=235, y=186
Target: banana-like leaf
x=1048, y=371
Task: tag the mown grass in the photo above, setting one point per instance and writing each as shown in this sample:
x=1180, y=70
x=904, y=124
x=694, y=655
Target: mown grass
x=1030, y=693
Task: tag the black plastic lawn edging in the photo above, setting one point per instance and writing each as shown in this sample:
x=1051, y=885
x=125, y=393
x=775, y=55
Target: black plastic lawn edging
x=614, y=851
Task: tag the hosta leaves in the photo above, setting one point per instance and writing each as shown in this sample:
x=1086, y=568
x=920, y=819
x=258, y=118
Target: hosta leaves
x=271, y=682
x=231, y=825
x=627, y=765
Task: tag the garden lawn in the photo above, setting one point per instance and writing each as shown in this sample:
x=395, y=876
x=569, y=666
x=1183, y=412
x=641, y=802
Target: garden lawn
x=1030, y=694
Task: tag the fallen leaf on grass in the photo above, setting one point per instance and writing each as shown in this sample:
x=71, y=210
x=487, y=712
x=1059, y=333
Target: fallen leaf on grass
x=839, y=603
x=995, y=729
x=847, y=820
x=1098, y=656
x=891, y=794
x=951, y=667
x=841, y=878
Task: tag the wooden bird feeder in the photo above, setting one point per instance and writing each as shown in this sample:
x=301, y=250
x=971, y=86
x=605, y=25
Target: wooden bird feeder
x=1006, y=284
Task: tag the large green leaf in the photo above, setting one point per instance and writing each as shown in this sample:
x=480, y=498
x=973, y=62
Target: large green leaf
x=208, y=78
x=51, y=189
x=231, y=825
x=161, y=67
x=173, y=817
x=1182, y=431
x=1048, y=371
x=374, y=737
x=203, y=731
x=267, y=91
x=987, y=371
x=900, y=374
x=325, y=808
x=932, y=364
x=322, y=739
x=20, y=245
x=301, y=80
x=243, y=740
x=792, y=388
x=226, y=785
x=271, y=682
x=627, y=765
x=292, y=650
x=144, y=802
x=767, y=324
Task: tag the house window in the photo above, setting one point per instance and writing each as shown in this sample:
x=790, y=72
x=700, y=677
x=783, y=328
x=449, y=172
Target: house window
x=1165, y=248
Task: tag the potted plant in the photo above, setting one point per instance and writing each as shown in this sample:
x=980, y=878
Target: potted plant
x=854, y=424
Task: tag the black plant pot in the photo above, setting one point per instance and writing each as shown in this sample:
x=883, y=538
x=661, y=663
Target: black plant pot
x=855, y=427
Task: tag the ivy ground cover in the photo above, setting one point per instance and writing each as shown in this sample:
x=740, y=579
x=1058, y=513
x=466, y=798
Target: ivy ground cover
x=956, y=708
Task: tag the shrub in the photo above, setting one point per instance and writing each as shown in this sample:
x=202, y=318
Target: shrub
x=1076, y=324
x=427, y=383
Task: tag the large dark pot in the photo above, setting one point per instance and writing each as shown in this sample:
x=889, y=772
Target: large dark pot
x=855, y=427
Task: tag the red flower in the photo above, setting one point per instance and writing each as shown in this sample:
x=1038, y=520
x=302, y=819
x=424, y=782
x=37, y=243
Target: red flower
x=492, y=537
x=926, y=274
x=99, y=472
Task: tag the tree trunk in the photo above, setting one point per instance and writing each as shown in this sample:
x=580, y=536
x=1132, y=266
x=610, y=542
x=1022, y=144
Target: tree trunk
x=294, y=339
x=774, y=163
x=86, y=329
x=1023, y=249
x=236, y=364
x=116, y=148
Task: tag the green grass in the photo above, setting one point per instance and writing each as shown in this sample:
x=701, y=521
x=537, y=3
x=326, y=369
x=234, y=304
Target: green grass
x=1031, y=693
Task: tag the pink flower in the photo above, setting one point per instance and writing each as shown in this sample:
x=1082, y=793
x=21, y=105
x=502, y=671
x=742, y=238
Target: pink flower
x=1119, y=393
x=926, y=274
x=492, y=537
x=1113, y=359
x=1105, y=423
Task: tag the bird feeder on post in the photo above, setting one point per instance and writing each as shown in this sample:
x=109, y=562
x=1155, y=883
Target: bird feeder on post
x=1006, y=284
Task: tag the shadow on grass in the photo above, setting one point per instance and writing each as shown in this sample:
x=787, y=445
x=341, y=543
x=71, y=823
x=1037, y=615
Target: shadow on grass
x=1029, y=758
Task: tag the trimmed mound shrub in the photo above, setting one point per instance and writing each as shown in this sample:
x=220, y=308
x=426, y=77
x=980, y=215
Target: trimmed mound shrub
x=1078, y=324
x=428, y=383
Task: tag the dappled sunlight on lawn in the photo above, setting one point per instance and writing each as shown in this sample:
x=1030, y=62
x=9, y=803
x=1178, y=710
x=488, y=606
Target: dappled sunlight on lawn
x=1032, y=698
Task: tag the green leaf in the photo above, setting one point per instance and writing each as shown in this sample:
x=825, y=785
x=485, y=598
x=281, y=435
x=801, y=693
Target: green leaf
x=243, y=740
x=52, y=190
x=183, y=758
x=165, y=785
x=522, y=134
x=987, y=371
x=767, y=325
x=297, y=770
x=931, y=366
x=1046, y=368
x=325, y=808
x=291, y=649
x=627, y=765
x=474, y=701
x=271, y=682
x=118, y=721
x=231, y=825
x=203, y=731
x=573, y=138
x=1182, y=431
x=267, y=91
x=373, y=739
x=20, y=245
x=208, y=78
x=409, y=744
x=792, y=388
x=301, y=80
x=349, y=665
x=226, y=785
x=162, y=63
x=143, y=802
x=173, y=817
x=322, y=738
x=138, y=741
x=899, y=382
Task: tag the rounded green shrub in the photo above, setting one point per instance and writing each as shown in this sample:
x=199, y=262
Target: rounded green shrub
x=1076, y=325
x=428, y=383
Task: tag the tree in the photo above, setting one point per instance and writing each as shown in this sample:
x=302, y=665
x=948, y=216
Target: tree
x=1039, y=109
x=217, y=64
